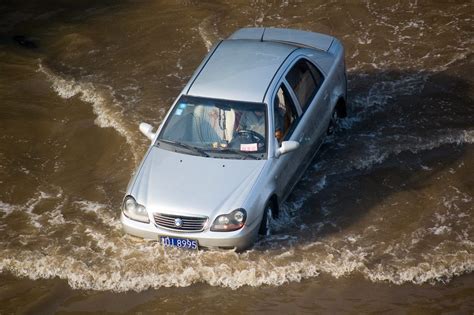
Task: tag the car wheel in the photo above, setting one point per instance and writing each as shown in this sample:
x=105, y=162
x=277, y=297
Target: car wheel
x=265, y=227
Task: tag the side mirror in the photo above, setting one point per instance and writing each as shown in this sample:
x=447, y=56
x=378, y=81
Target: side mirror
x=147, y=130
x=287, y=146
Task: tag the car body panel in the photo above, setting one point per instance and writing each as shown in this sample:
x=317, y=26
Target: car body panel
x=217, y=183
x=297, y=37
x=249, y=66
x=310, y=39
x=240, y=70
x=239, y=239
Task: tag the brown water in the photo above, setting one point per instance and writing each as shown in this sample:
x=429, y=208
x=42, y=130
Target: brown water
x=381, y=222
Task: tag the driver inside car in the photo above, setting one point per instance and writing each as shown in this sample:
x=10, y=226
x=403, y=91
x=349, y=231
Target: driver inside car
x=252, y=121
x=222, y=127
x=279, y=112
x=249, y=134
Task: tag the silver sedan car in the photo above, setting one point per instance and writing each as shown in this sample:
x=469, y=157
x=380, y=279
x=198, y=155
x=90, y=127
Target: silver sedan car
x=237, y=139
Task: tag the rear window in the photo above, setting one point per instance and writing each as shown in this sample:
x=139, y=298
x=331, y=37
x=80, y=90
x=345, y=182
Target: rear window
x=305, y=81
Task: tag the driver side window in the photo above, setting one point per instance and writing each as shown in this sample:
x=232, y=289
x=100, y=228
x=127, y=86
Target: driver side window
x=285, y=114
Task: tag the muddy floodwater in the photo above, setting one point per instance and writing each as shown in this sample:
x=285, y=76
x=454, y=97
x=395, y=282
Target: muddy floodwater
x=381, y=221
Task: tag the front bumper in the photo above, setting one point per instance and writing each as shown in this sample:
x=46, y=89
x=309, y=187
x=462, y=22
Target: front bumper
x=239, y=240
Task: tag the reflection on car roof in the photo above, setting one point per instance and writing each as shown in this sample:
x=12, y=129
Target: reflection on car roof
x=240, y=70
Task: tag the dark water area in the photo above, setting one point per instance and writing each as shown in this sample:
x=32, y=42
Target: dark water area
x=381, y=221
x=319, y=295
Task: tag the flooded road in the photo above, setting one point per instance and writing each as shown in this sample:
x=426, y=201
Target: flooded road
x=381, y=220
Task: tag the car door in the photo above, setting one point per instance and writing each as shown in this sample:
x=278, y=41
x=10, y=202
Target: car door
x=306, y=81
x=286, y=115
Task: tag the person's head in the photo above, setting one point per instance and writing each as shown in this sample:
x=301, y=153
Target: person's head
x=279, y=135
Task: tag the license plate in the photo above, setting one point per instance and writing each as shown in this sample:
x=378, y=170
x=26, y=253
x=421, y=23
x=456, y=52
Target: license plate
x=178, y=242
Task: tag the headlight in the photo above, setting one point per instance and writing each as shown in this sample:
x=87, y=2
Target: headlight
x=134, y=211
x=230, y=222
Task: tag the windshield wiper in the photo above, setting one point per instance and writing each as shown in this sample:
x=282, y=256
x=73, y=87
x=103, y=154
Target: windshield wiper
x=238, y=152
x=186, y=146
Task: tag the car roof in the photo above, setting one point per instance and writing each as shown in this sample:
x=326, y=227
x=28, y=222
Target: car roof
x=240, y=69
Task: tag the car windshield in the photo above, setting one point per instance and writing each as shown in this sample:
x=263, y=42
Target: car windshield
x=218, y=128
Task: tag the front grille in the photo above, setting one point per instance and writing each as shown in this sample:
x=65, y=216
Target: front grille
x=188, y=224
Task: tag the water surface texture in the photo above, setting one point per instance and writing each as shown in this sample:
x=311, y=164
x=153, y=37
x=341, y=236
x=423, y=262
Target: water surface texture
x=381, y=221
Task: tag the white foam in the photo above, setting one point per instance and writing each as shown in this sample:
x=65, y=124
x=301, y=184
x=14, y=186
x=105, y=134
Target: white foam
x=29, y=207
x=375, y=150
x=320, y=184
x=453, y=202
x=106, y=108
x=413, y=30
x=437, y=270
x=101, y=240
x=373, y=155
x=56, y=216
x=439, y=230
x=207, y=32
x=120, y=264
x=6, y=208
x=425, y=168
x=384, y=90
x=101, y=211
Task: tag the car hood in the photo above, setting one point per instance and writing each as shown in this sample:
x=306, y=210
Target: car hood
x=176, y=183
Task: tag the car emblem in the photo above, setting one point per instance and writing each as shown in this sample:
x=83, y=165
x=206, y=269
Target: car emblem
x=178, y=222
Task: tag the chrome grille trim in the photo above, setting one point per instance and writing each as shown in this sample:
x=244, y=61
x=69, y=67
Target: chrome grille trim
x=189, y=224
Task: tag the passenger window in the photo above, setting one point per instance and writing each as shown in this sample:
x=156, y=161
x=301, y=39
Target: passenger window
x=305, y=81
x=285, y=114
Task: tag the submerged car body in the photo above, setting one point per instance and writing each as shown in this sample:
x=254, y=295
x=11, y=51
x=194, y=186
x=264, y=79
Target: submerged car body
x=237, y=139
